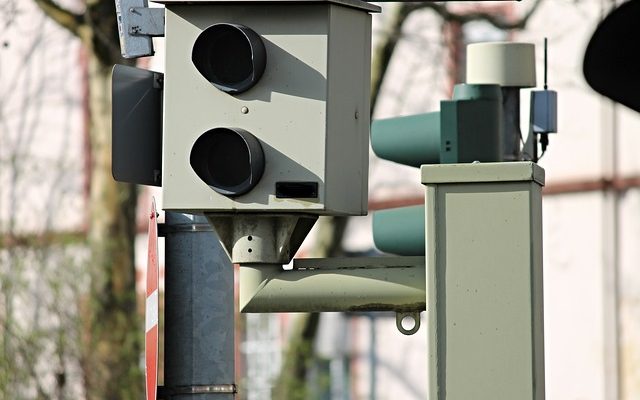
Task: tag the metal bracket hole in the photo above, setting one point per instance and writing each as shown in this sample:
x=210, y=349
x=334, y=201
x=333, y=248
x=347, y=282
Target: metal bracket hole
x=408, y=323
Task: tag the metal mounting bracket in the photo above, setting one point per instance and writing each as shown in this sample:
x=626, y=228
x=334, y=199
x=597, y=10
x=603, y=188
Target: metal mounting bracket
x=137, y=24
x=403, y=316
x=144, y=21
x=338, y=284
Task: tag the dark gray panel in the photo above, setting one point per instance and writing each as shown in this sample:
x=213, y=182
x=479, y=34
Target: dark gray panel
x=136, y=155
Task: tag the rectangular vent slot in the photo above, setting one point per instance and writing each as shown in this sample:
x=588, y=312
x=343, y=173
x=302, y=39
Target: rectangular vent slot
x=297, y=190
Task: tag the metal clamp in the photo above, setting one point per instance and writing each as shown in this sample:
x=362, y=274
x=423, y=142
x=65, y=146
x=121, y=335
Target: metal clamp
x=168, y=392
x=164, y=229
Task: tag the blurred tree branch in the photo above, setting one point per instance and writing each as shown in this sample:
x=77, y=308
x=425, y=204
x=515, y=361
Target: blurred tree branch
x=392, y=32
x=497, y=20
x=62, y=16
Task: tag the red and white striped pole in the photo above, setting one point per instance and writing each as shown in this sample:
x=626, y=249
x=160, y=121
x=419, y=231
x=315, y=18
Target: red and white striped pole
x=151, y=309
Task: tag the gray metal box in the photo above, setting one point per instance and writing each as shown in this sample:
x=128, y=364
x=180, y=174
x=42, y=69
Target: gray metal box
x=310, y=109
x=484, y=281
x=544, y=110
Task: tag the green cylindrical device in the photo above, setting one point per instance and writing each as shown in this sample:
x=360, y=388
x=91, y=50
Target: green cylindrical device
x=467, y=128
x=463, y=91
x=413, y=140
x=400, y=230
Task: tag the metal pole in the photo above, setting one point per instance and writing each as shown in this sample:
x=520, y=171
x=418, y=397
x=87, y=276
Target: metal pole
x=199, y=330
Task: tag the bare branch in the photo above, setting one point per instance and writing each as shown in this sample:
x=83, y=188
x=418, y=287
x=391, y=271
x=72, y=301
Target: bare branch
x=384, y=51
x=48, y=238
x=62, y=16
x=496, y=20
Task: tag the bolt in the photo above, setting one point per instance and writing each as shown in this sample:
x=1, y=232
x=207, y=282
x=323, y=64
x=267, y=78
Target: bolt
x=244, y=110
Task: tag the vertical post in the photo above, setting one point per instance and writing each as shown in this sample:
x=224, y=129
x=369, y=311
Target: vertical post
x=484, y=281
x=199, y=331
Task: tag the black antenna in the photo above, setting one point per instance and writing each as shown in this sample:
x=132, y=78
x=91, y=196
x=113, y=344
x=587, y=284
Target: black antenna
x=545, y=63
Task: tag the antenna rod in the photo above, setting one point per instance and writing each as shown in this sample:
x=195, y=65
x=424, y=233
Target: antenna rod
x=545, y=63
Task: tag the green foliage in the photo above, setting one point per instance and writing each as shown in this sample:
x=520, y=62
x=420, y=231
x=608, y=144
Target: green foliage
x=39, y=321
x=299, y=357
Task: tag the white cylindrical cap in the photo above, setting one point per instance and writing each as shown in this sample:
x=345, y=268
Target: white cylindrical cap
x=503, y=63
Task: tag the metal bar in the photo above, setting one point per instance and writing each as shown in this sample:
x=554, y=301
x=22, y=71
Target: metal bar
x=199, y=331
x=165, y=393
x=164, y=229
x=335, y=284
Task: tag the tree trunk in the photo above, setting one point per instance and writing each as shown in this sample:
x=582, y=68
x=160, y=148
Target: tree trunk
x=112, y=345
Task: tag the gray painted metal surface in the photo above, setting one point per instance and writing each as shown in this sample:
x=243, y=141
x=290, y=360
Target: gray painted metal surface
x=482, y=173
x=349, y=3
x=262, y=238
x=335, y=284
x=199, y=329
x=544, y=111
x=145, y=21
x=136, y=25
x=484, y=281
x=310, y=108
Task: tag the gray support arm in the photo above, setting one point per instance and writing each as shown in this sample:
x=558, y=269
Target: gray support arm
x=339, y=284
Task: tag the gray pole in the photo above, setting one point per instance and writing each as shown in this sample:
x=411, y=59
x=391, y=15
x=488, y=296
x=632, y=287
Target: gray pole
x=199, y=330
